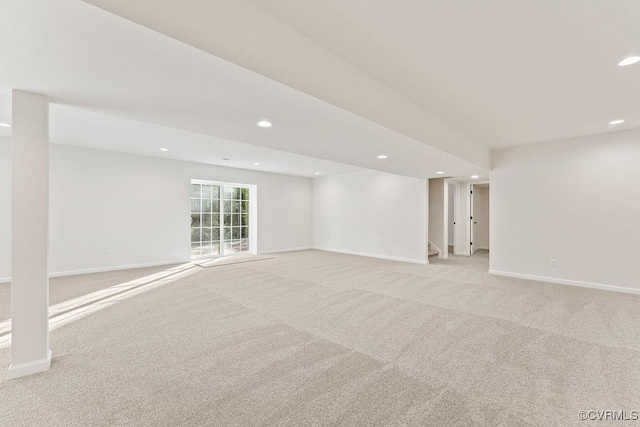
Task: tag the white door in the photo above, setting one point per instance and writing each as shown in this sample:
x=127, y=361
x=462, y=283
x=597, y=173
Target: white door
x=472, y=220
x=476, y=213
x=220, y=219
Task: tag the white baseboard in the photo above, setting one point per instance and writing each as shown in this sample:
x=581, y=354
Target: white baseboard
x=104, y=269
x=387, y=257
x=578, y=283
x=278, y=251
x=116, y=268
x=483, y=247
x=24, y=369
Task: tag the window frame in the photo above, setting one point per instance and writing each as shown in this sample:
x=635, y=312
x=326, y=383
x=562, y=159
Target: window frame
x=251, y=215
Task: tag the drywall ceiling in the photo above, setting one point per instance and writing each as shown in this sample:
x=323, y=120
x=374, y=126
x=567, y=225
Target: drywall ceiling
x=74, y=126
x=85, y=58
x=502, y=72
x=506, y=72
x=244, y=34
x=89, y=129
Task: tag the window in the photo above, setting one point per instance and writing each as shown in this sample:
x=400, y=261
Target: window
x=205, y=220
x=236, y=219
x=220, y=219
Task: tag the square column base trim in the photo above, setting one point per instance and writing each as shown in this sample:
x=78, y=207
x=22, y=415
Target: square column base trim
x=30, y=368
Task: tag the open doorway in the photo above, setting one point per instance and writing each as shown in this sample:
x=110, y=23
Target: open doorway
x=479, y=220
x=452, y=216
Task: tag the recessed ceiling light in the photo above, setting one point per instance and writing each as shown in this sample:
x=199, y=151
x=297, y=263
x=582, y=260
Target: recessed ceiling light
x=317, y=173
x=439, y=172
x=383, y=156
x=5, y=125
x=164, y=149
x=256, y=163
x=616, y=122
x=474, y=177
x=264, y=123
x=628, y=61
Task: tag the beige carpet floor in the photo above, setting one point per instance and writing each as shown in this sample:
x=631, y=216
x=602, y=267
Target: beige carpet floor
x=235, y=259
x=70, y=287
x=315, y=338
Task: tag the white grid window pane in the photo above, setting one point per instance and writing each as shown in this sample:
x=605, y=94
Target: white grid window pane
x=219, y=219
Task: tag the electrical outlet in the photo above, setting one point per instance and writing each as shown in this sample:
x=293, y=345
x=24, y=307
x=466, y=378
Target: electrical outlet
x=554, y=262
x=109, y=254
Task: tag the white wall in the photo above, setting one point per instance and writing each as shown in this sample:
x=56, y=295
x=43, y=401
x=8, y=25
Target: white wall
x=486, y=218
x=437, y=237
x=5, y=208
x=138, y=208
x=577, y=201
x=371, y=213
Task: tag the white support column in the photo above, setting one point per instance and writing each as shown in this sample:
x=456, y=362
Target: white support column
x=30, y=351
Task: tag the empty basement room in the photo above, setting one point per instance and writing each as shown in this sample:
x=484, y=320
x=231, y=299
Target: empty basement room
x=319, y=212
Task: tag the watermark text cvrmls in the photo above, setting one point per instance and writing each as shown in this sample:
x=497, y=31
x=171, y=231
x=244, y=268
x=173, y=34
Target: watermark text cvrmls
x=609, y=415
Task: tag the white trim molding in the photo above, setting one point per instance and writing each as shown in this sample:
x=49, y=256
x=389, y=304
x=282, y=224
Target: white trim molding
x=105, y=269
x=132, y=266
x=278, y=251
x=368, y=255
x=24, y=369
x=577, y=283
x=456, y=216
x=116, y=268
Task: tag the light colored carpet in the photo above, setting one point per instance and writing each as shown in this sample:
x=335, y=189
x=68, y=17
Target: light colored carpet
x=235, y=259
x=70, y=287
x=315, y=338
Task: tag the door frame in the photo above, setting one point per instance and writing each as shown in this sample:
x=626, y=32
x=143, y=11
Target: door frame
x=456, y=216
x=471, y=214
x=470, y=185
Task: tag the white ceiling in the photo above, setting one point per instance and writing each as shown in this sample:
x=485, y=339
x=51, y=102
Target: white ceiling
x=343, y=81
x=104, y=73
x=80, y=127
x=85, y=128
x=503, y=72
x=245, y=35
